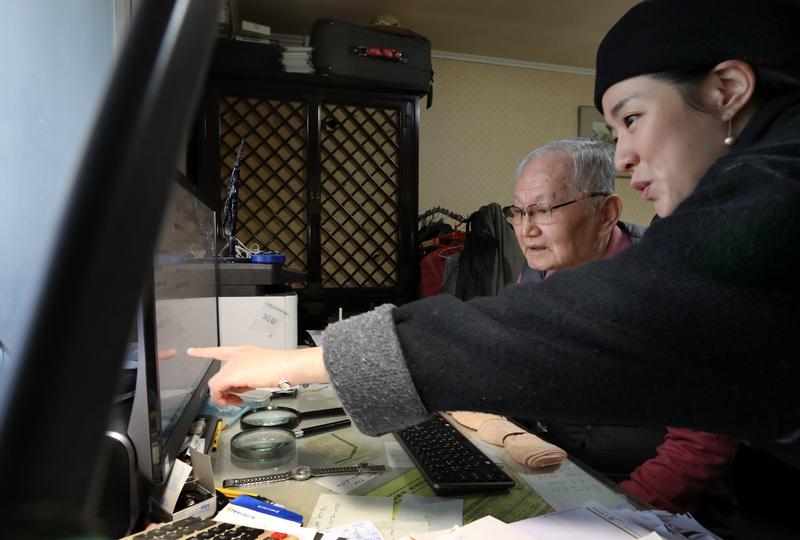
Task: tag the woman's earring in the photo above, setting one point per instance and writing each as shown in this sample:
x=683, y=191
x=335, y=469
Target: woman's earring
x=729, y=139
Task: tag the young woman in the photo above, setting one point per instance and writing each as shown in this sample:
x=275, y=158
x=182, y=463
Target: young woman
x=695, y=326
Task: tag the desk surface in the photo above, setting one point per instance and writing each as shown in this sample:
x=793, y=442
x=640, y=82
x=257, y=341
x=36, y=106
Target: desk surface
x=538, y=491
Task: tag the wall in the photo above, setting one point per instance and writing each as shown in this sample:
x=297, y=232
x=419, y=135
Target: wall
x=485, y=119
x=56, y=59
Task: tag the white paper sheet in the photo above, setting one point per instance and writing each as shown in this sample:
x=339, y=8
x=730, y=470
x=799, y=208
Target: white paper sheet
x=487, y=527
x=566, y=485
x=588, y=521
x=396, y=457
x=345, y=484
x=363, y=530
x=341, y=510
x=440, y=513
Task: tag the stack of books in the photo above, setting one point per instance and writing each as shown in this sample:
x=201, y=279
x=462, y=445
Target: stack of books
x=297, y=59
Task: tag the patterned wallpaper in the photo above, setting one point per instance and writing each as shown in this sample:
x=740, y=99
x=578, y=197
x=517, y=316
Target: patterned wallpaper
x=484, y=120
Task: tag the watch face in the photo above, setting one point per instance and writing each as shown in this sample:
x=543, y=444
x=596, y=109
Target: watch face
x=301, y=473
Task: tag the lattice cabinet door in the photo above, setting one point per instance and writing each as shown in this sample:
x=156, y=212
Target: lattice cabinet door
x=359, y=195
x=273, y=193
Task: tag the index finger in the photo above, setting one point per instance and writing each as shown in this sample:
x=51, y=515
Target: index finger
x=223, y=354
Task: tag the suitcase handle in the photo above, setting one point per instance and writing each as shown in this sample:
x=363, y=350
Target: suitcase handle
x=391, y=55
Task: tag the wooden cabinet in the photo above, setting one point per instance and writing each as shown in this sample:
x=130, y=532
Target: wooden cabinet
x=329, y=177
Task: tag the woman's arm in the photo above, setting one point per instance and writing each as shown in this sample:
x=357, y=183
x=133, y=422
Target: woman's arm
x=247, y=367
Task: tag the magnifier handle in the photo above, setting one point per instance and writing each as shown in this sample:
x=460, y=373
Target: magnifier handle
x=336, y=411
x=322, y=427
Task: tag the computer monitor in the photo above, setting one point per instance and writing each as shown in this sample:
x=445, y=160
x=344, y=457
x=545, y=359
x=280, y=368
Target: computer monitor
x=178, y=310
x=74, y=342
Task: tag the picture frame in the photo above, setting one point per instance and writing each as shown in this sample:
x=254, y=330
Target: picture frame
x=592, y=125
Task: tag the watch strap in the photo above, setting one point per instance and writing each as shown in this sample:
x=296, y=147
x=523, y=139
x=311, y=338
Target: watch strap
x=252, y=480
x=358, y=469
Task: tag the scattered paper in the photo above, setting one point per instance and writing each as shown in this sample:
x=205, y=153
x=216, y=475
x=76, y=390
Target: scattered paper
x=438, y=512
x=566, y=485
x=396, y=456
x=588, y=521
x=342, y=510
x=362, y=530
x=432, y=535
x=345, y=484
x=487, y=527
x=398, y=529
x=168, y=498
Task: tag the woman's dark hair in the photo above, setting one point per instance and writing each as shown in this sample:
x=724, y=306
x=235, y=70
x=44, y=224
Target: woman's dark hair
x=770, y=83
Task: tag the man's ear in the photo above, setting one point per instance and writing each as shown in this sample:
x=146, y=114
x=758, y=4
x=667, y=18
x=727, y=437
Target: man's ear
x=609, y=211
x=729, y=88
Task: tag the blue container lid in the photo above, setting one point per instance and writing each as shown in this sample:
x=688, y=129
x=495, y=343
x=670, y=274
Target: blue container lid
x=268, y=258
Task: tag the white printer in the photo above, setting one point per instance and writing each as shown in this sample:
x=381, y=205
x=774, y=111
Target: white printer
x=256, y=304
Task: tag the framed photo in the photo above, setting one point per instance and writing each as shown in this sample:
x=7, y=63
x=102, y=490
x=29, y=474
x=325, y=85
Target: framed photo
x=592, y=125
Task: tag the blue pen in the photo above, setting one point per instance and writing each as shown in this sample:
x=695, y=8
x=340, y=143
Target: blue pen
x=236, y=417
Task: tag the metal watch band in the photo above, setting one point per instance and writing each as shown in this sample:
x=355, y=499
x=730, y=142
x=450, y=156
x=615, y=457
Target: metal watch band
x=359, y=469
x=303, y=473
x=236, y=482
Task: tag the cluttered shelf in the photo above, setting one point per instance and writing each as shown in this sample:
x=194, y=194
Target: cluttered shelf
x=261, y=62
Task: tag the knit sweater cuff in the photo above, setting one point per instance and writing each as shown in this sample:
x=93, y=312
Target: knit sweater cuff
x=365, y=362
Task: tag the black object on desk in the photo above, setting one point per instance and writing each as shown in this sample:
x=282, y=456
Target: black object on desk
x=448, y=461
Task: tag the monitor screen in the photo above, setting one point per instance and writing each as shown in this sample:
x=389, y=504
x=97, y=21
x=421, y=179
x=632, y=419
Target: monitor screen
x=179, y=310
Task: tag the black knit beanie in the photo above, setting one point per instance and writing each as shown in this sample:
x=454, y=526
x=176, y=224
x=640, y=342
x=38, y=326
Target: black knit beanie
x=665, y=35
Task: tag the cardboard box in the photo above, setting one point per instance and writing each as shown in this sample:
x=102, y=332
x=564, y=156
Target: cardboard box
x=164, y=500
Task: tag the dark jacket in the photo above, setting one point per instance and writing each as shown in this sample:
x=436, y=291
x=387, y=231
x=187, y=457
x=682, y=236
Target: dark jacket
x=614, y=451
x=698, y=322
x=491, y=258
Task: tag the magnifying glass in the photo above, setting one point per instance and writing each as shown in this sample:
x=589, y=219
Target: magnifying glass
x=283, y=417
x=266, y=444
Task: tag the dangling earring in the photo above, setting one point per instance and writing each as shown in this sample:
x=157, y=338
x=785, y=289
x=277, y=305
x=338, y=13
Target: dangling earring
x=729, y=139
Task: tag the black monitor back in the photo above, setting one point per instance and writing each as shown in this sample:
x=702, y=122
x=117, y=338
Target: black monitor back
x=50, y=450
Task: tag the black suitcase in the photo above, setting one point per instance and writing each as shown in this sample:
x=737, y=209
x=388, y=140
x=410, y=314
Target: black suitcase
x=394, y=55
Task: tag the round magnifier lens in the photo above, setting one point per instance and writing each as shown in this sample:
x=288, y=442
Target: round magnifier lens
x=262, y=444
x=270, y=418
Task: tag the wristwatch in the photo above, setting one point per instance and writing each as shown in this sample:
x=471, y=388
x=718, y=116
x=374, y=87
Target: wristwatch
x=302, y=473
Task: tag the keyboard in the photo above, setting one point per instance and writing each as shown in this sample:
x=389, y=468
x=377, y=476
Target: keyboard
x=449, y=461
x=194, y=528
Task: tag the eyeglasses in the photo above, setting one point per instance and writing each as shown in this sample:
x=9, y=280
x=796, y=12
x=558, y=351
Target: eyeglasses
x=538, y=212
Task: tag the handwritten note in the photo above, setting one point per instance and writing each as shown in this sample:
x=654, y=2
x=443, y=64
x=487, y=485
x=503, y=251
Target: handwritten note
x=440, y=513
x=342, y=510
x=566, y=485
x=345, y=484
x=396, y=457
x=363, y=530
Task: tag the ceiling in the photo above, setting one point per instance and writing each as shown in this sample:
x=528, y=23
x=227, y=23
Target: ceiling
x=557, y=32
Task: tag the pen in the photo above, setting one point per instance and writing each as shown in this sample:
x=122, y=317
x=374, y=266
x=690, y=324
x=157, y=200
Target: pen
x=236, y=418
x=215, y=440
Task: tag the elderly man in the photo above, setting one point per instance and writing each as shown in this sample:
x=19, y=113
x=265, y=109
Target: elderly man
x=565, y=214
